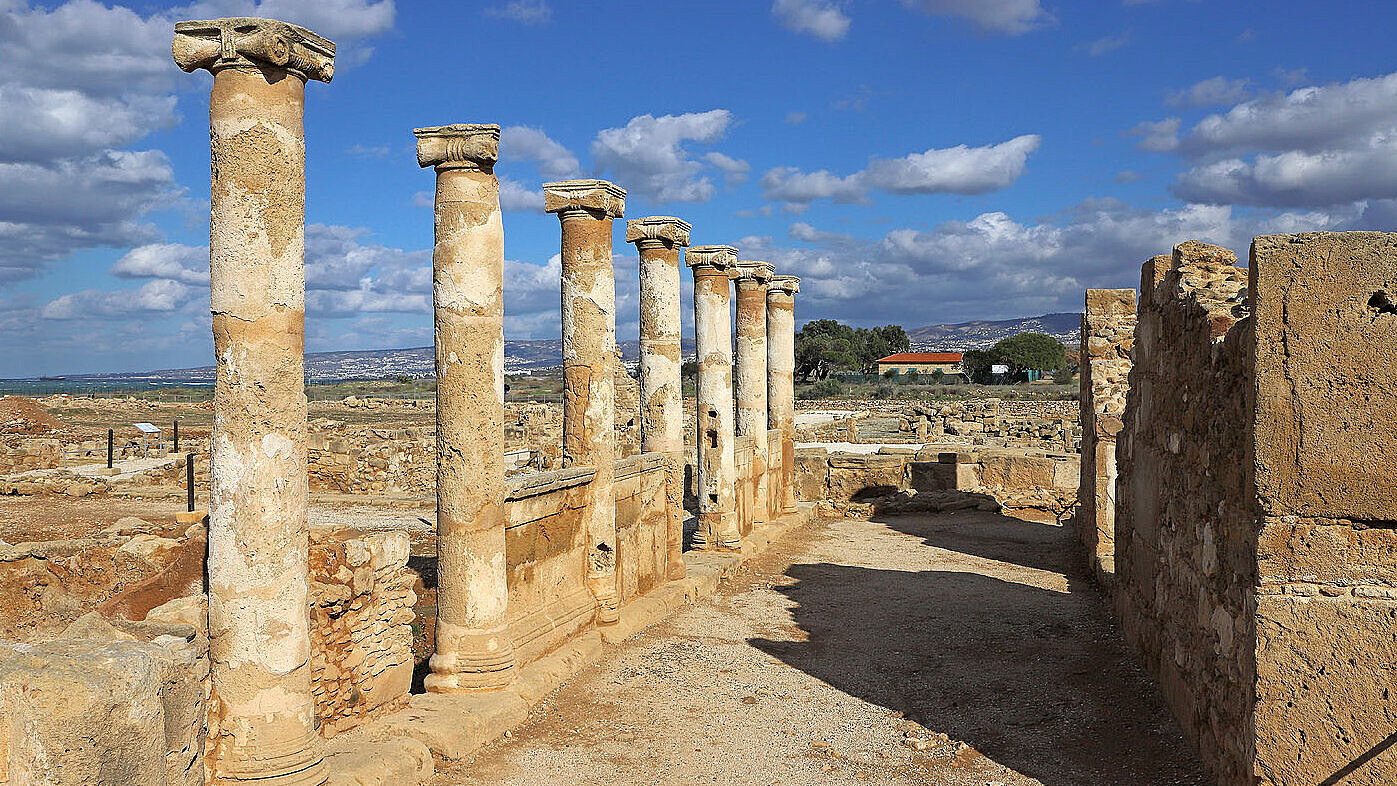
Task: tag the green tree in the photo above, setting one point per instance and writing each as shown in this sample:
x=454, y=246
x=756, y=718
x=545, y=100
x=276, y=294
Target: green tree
x=873, y=344
x=824, y=346
x=976, y=363
x=938, y=377
x=1036, y=351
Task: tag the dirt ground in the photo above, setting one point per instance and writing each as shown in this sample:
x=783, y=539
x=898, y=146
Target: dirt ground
x=952, y=649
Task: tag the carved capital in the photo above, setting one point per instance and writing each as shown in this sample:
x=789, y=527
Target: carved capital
x=459, y=146
x=216, y=44
x=752, y=270
x=787, y=285
x=596, y=196
x=712, y=258
x=666, y=229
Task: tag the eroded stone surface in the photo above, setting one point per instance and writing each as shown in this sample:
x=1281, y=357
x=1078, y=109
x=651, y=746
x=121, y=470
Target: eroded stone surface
x=717, y=519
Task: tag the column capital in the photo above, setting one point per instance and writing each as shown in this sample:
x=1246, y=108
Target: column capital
x=754, y=271
x=458, y=146
x=658, y=229
x=718, y=258
x=789, y=285
x=597, y=196
x=236, y=41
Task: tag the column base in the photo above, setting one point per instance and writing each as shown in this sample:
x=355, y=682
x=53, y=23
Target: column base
x=470, y=661
x=608, y=600
x=270, y=757
x=717, y=532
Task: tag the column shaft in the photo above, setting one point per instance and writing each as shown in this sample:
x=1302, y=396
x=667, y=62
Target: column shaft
x=751, y=375
x=259, y=614
x=473, y=648
x=589, y=352
x=717, y=518
x=661, y=386
x=781, y=364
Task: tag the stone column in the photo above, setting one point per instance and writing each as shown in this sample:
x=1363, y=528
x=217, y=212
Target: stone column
x=1108, y=336
x=658, y=239
x=780, y=376
x=717, y=471
x=752, y=281
x=262, y=714
x=473, y=648
x=586, y=208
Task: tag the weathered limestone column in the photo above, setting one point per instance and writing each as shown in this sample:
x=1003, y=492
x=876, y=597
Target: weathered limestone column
x=658, y=239
x=473, y=648
x=1108, y=336
x=586, y=208
x=780, y=376
x=262, y=713
x=752, y=280
x=717, y=469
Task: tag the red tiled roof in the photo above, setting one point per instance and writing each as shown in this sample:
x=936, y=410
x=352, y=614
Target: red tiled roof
x=923, y=357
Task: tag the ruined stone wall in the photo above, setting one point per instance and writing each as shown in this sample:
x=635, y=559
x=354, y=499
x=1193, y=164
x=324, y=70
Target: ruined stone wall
x=992, y=422
x=22, y=455
x=1184, y=541
x=1254, y=535
x=1108, y=335
x=376, y=460
x=1017, y=479
x=361, y=626
x=744, y=484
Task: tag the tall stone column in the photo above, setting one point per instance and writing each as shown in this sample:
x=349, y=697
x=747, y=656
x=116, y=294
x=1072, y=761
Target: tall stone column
x=262, y=714
x=1108, y=336
x=658, y=239
x=780, y=376
x=717, y=470
x=586, y=209
x=752, y=280
x=473, y=648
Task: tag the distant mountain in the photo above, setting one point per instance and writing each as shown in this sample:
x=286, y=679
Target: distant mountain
x=983, y=334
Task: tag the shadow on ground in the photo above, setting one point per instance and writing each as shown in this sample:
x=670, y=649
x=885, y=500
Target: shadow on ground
x=1037, y=679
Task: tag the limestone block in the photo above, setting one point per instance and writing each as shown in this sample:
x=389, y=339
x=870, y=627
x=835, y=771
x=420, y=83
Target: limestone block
x=853, y=477
x=1017, y=472
x=1326, y=445
x=811, y=473
x=115, y=713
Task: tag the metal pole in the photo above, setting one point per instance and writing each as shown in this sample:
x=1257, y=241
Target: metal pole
x=110, y=436
x=189, y=480
x=176, y=448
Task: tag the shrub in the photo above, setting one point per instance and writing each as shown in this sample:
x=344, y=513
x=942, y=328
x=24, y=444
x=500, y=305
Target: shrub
x=825, y=388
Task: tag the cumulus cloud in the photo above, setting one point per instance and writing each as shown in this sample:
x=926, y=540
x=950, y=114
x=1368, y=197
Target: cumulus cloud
x=47, y=123
x=648, y=158
x=953, y=170
x=526, y=12
x=523, y=143
x=1006, y=17
x=820, y=18
x=1217, y=91
x=153, y=297
x=517, y=196
x=735, y=170
x=173, y=261
x=1317, y=146
x=1107, y=44
x=996, y=266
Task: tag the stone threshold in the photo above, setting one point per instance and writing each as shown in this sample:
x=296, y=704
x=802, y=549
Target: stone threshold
x=399, y=749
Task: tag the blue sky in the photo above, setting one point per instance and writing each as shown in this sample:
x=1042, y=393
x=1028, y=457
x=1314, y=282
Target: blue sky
x=914, y=161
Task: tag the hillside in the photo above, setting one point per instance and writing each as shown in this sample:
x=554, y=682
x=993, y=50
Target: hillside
x=983, y=334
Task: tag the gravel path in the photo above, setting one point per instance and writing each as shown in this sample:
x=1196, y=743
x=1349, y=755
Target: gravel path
x=960, y=648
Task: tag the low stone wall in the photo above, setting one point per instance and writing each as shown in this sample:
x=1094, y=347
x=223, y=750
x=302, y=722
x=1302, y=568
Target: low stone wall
x=1256, y=495
x=361, y=626
x=1018, y=479
x=642, y=525
x=26, y=454
x=990, y=422
x=371, y=460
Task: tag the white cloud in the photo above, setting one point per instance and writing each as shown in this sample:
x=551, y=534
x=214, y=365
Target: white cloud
x=1007, y=17
x=174, y=261
x=523, y=143
x=735, y=170
x=527, y=12
x=152, y=297
x=953, y=170
x=47, y=123
x=796, y=118
x=647, y=157
x=1160, y=136
x=341, y=21
x=820, y=18
x=516, y=196
x=1107, y=44
x=1216, y=91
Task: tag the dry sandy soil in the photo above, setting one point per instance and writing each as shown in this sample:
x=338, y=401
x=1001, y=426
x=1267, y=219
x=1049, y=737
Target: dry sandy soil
x=849, y=645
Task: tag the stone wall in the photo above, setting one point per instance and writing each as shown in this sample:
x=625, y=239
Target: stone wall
x=1108, y=336
x=1258, y=469
x=990, y=422
x=642, y=525
x=361, y=626
x=23, y=455
x=1017, y=479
